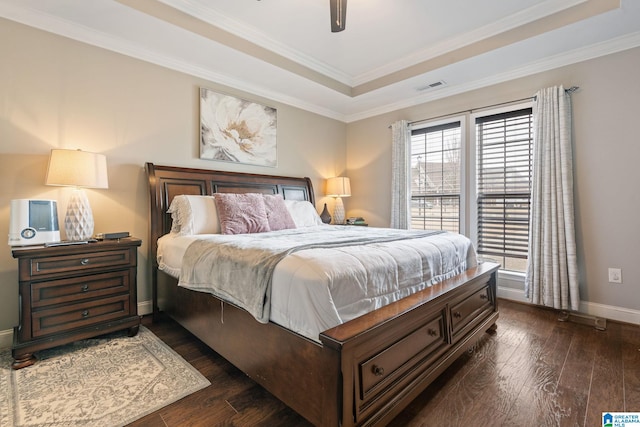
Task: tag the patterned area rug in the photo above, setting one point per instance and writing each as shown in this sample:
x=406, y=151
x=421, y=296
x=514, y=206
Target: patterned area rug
x=109, y=381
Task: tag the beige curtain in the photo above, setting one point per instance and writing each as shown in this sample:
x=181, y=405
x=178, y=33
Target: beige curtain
x=552, y=270
x=400, y=174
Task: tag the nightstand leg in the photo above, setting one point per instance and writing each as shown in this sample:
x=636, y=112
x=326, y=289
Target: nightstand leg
x=133, y=331
x=23, y=360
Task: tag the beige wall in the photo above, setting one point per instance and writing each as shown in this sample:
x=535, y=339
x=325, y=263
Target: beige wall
x=58, y=93
x=606, y=156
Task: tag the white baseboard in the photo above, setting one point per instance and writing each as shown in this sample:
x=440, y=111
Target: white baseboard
x=619, y=314
x=145, y=307
x=610, y=312
x=512, y=294
x=6, y=337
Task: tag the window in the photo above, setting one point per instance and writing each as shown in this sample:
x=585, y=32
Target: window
x=499, y=161
x=436, y=177
x=503, y=175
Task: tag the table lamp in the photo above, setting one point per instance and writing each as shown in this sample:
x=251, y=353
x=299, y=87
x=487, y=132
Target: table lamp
x=79, y=169
x=338, y=187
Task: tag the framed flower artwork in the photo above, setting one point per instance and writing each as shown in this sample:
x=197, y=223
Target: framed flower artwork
x=236, y=130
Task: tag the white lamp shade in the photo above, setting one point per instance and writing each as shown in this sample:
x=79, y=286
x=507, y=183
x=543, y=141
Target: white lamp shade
x=338, y=186
x=77, y=168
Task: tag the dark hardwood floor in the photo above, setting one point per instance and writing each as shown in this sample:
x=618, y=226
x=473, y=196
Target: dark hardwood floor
x=533, y=371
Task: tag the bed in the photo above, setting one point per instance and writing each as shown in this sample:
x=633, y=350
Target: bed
x=358, y=373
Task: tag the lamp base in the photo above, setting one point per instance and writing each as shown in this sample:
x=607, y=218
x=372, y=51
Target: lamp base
x=78, y=221
x=338, y=212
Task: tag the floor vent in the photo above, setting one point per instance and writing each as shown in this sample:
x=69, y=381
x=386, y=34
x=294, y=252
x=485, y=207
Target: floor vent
x=597, y=322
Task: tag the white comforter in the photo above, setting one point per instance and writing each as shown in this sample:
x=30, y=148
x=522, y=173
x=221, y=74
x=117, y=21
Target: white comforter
x=315, y=289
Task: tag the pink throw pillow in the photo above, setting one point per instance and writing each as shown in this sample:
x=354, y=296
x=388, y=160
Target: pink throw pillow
x=241, y=213
x=277, y=213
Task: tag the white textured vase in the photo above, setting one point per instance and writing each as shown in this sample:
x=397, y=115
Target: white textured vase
x=78, y=222
x=338, y=212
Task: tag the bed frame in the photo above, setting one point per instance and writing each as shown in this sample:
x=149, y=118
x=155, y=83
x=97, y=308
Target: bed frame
x=365, y=371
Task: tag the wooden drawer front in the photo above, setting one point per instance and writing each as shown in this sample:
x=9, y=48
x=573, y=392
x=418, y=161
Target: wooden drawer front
x=60, y=319
x=381, y=370
x=79, y=288
x=469, y=309
x=79, y=262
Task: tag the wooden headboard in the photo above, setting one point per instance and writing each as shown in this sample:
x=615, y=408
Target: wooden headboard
x=166, y=182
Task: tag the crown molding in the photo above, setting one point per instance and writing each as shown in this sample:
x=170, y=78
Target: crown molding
x=90, y=36
x=83, y=34
x=523, y=17
x=597, y=50
x=200, y=10
x=207, y=14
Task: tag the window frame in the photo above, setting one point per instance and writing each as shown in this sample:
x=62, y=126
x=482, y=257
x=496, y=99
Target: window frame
x=511, y=275
x=468, y=176
x=463, y=222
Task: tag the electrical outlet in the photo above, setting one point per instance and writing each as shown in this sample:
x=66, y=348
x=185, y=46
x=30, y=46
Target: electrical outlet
x=615, y=275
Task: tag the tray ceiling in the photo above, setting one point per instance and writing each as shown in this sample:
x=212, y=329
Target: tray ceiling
x=387, y=58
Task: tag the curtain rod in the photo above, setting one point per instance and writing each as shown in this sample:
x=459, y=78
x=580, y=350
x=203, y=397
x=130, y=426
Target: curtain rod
x=471, y=110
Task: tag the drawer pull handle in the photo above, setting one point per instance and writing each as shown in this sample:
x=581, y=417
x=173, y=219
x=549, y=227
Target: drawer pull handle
x=483, y=296
x=84, y=261
x=85, y=313
x=432, y=332
x=85, y=288
x=378, y=371
x=457, y=315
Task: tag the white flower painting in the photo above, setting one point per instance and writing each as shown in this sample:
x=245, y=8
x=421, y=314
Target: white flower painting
x=236, y=130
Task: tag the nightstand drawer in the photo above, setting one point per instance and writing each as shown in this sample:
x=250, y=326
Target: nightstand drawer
x=79, y=288
x=64, y=318
x=79, y=262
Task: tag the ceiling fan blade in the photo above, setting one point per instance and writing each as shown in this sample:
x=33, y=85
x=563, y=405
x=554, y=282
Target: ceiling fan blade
x=338, y=15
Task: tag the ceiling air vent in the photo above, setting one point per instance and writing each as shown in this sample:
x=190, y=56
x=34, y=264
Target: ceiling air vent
x=434, y=85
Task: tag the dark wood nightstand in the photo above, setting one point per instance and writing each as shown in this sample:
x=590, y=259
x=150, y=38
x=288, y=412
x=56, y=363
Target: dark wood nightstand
x=68, y=293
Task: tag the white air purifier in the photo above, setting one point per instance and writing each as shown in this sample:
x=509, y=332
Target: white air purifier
x=33, y=222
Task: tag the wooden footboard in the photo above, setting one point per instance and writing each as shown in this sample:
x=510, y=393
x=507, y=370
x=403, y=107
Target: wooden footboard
x=392, y=354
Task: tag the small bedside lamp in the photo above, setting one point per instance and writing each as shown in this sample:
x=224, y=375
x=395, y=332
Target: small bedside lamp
x=80, y=169
x=338, y=187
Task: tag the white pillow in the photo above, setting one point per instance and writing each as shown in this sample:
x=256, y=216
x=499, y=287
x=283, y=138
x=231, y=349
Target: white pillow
x=304, y=214
x=193, y=214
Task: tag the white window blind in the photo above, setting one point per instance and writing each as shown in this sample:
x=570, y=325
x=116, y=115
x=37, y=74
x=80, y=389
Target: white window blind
x=435, y=177
x=504, y=155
